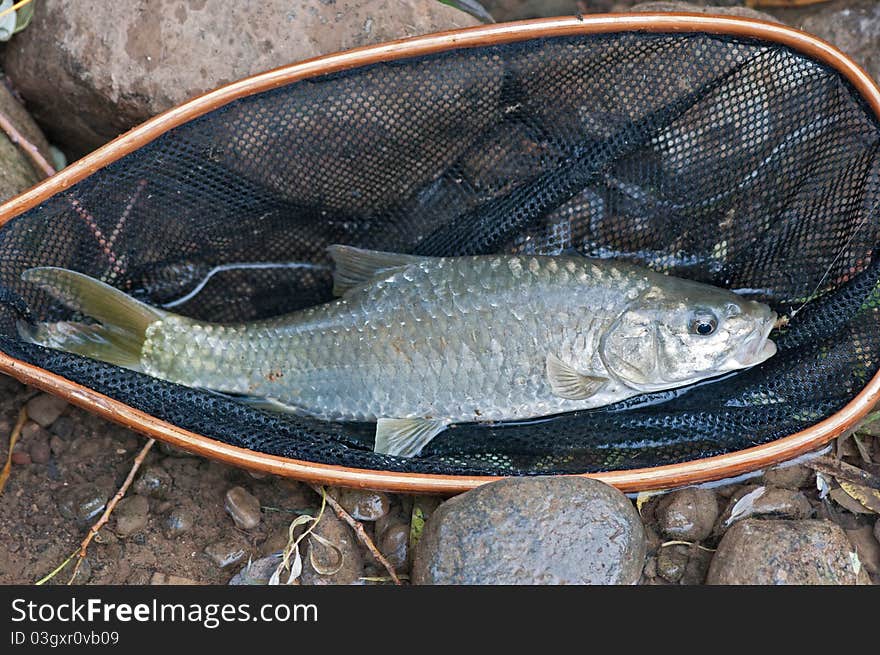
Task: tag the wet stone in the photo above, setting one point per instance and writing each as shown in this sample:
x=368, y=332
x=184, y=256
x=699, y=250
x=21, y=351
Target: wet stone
x=393, y=543
x=687, y=514
x=82, y=502
x=257, y=572
x=540, y=530
x=226, y=552
x=154, y=482
x=179, y=521
x=765, y=502
x=795, y=476
x=45, y=408
x=30, y=429
x=867, y=547
x=39, y=448
x=760, y=552
x=697, y=567
x=131, y=515
x=63, y=427
x=672, y=562
x=339, y=564
x=21, y=457
x=243, y=507
x=362, y=504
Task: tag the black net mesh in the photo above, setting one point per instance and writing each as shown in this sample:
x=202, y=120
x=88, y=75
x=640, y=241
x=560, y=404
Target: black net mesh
x=738, y=163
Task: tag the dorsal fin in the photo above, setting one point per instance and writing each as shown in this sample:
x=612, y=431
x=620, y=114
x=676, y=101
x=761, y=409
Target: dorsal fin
x=356, y=266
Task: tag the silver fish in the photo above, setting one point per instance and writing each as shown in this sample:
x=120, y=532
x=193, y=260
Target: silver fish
x=419, y=343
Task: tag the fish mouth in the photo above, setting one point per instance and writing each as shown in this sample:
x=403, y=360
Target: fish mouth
x=758, y=347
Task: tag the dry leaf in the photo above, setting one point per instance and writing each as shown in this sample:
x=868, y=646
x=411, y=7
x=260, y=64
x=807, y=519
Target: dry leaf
x=869, y=498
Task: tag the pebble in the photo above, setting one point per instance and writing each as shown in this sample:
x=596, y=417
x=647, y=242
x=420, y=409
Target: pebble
x=243, y=507
x=57, y=445
x=867, y=547
x=761, y=552
x=63, y=427
x=342, y=564
x=672, y=562
x=30, y=429
x=257, y=572
x=794, y=476
x=21, y=457
x=45, y=408
x=687, y=514
x=535, y=530
x=393, y=543
x=82, y=502
x=131, y=515
x=362, y=504
x=179, y=521
x=39, y=448
x=155, y=482
x=226, y=552
x=159, y=578
x=772, y=502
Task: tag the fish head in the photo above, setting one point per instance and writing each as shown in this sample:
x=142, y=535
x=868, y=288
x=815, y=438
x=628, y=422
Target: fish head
x=678, y=332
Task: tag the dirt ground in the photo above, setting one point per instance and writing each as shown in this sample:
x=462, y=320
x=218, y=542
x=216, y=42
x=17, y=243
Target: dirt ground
x=93, y=458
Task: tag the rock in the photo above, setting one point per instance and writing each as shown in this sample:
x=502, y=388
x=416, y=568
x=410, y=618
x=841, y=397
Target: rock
x=851, y=25
x=687, y=514
x=226, y=552
x=393, y=543
x=82, y=502
x=39, y=448
x=257, y=572
x=63, y=427
x=179, y=521
x=154, y=482
x=794, y=476
x=131, y=515
x=764, y=502
x=243, y=507
x=93, y=70
x=21, y=457
x=877, y=530
x=16, y=171
x=867, y=547
x=687, y=7
x=362, y=504
x=341, y=564
x=45, y=408
x=756, y=552
x=697, y=567
x=159, y=578
x=57, y=445
x=536, y=530
x=672, y=562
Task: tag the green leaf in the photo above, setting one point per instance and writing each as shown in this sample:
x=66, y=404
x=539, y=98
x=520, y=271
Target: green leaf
x=23, y=16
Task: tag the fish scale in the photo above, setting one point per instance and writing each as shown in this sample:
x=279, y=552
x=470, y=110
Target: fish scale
x=463, y=338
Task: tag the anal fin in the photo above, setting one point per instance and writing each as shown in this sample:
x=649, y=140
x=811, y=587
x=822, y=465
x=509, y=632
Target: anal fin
x=566, y=382
x=405, y=437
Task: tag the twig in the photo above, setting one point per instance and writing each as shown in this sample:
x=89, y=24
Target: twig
x=358, y=528
x=13, y=437
x=111, y=506
x=29, y=148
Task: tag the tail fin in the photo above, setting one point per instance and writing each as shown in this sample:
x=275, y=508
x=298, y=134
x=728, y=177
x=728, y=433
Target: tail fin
x=124, y=321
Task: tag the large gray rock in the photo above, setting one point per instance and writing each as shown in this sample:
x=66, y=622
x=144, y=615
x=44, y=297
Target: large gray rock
x=542, y=530
x=758, y=552
x=16, y=171
x=93, y=70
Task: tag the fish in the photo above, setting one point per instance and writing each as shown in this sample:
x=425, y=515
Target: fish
x=416, y=344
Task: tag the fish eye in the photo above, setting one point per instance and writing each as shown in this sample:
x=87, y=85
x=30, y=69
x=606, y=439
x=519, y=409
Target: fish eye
x=703, y=325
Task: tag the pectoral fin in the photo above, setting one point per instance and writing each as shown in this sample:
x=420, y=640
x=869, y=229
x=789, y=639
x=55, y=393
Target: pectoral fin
x=566, y=382
x=405, y=437
x=355, y=266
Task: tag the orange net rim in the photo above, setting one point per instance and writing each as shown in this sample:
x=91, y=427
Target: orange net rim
x=642, y=479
